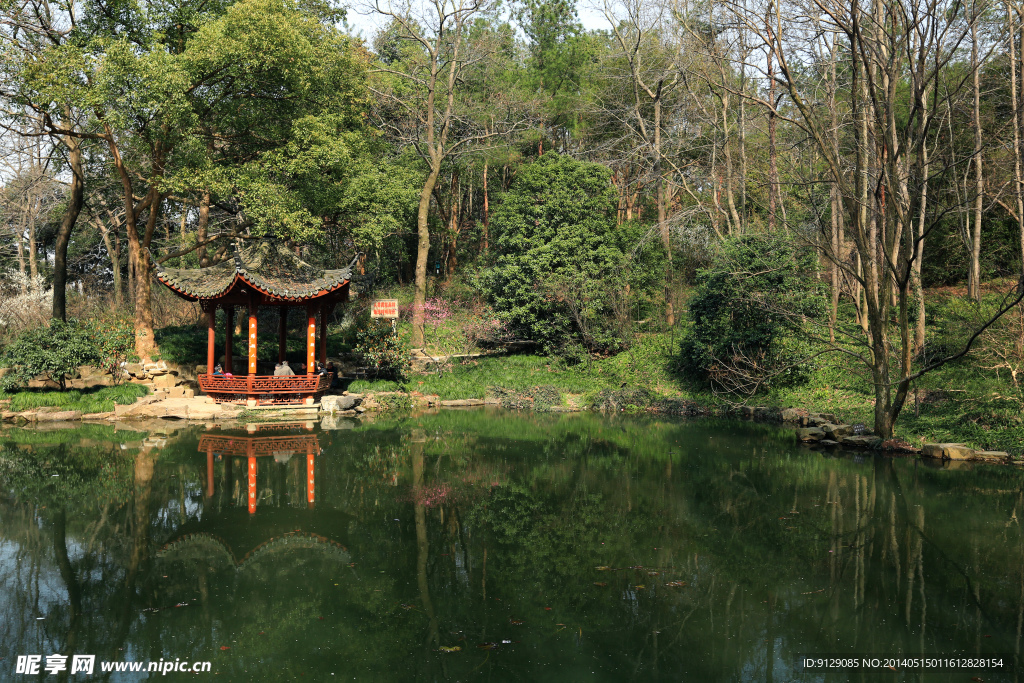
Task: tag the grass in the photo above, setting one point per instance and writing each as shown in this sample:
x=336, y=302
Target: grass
x=99, y=400
x=966, y=403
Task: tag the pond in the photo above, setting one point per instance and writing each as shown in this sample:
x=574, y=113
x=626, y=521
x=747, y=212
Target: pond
x=483, y=545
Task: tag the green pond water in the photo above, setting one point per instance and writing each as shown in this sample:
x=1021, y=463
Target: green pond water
x=472, y=545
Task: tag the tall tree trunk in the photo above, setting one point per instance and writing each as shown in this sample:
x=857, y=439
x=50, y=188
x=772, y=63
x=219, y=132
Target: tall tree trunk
x=487, y=213
x=666, y=238
x=974, y=281
x=919, y=328
x=201, y=228
x=113, y=248
x=75, y=202
x=1017, y=80
x=33, y=253
x=773, y=166
x=422, y=252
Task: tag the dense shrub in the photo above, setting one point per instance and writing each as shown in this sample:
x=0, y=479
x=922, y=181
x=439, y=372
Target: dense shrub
x=748, y=316
x=55, y=350
x=383, y=350
x=560, y=275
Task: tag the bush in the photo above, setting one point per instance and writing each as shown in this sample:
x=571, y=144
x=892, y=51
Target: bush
x=383, y=350
x=559, y=266
x=748, y=315
x=55, y=350
x=114, y=339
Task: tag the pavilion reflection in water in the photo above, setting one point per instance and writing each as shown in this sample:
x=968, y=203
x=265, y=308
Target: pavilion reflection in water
x=280, y=441
x=274, y=480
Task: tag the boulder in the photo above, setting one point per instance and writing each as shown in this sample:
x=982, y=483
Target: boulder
x=810, y=434
x=59, y=416
x=165, y=381
x=837, y=432
x=947, y=451
x=463, y=403
x=793, y=414
x=87, y=371
x=991, y=456
x=334, y=404
x=863, y=441
x=133, y=369
x=957, y=452
x=176, y=392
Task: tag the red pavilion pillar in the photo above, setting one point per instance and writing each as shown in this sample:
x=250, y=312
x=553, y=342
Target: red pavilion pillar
x=211, y=336
x=252, y=338
x=311, y=341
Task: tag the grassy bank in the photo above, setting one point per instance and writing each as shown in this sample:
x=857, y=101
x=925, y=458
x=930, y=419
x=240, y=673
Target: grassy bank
x=960, y=402
x=98, y=400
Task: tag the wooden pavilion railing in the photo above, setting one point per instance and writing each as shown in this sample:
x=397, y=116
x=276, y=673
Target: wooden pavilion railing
x=264, y=389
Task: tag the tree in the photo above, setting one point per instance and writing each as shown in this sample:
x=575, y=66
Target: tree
x=40, y=42
x=651, y=43
x=897, y=55
x=749, y=315
x=422, y=101
x=557, y=263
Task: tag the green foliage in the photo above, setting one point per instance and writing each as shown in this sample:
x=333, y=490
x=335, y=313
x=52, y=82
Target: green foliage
x=101, y=400
x=114, y=340
x=747, y=316
x=383, y=350
x=558, y=263
x=394, y=402
x=55, y=350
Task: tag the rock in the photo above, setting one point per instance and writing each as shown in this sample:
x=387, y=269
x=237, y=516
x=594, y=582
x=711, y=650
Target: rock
x=176, y=392
x=837, y=432
x=992, y=456
x=463, y=402
x=827, y=417
x=828, y=442
x=87, y=371
x=863, y=441
x=957, y=452
x=947, y=451
x=333, y=404
x=59, y=416
x=8, y=415
x=793, y=414
x=133, y=369
x=810, y=434
x=165, y=381
x=98, y=416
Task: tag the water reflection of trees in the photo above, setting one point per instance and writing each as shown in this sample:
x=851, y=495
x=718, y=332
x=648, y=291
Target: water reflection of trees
x=456, y=528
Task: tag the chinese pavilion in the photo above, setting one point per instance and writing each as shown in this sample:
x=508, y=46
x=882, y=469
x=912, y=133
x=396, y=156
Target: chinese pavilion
x=262, y=273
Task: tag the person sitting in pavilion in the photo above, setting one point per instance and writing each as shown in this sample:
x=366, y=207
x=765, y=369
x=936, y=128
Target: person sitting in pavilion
x=283, y=369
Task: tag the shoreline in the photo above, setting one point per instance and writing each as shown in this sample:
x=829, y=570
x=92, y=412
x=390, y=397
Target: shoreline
x=819, y=430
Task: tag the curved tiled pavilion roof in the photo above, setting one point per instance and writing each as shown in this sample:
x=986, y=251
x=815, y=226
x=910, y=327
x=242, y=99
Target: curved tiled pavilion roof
x=267, y=266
